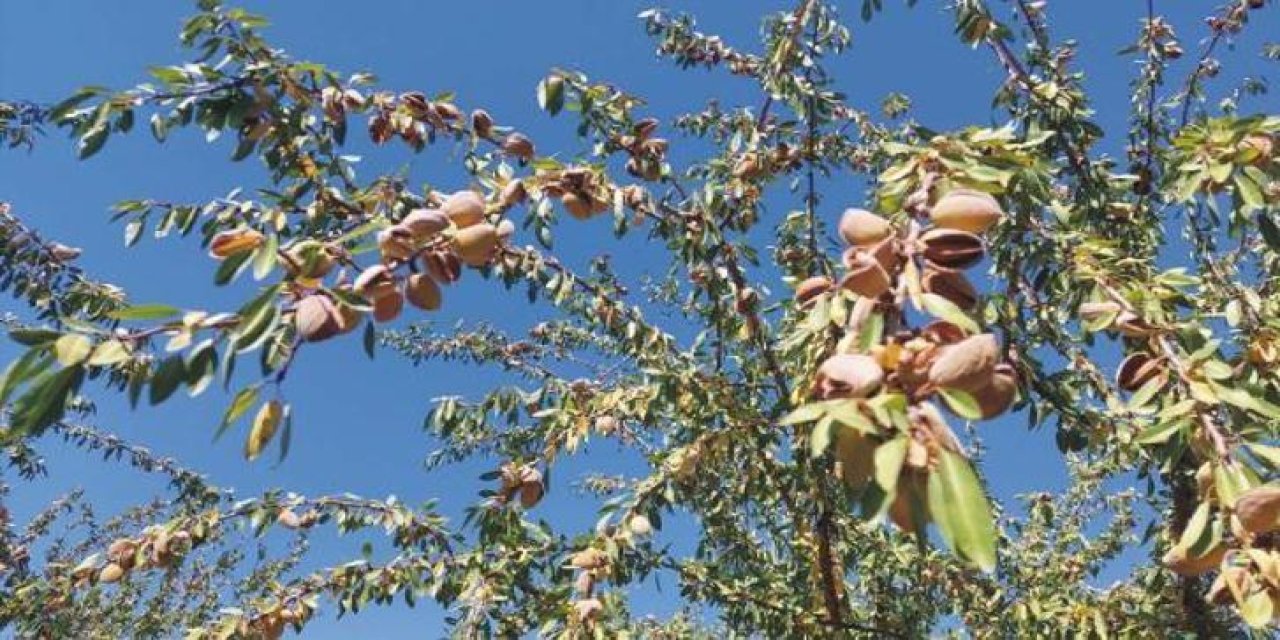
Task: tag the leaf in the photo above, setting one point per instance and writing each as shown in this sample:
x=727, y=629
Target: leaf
x=1245, y=400
x=551, y=94
x=1257, y=609
x=145, y=312
x=804, y=413
x=72, y=349
x=1160, y=432
x=34, y=337
x=961, y=402
x=1268, y=454
x=264, y=258
x=1270, y=232
x=92, y=140
x=820, y=438
x=1195, y=537
x=240, y=404
x=264, y=428
x=31, y=364
x=231, y=267
x=945, y=309
x=888, y=462
x=370, y=340
x=45, y=402
x=958, y=505
x=165, y=380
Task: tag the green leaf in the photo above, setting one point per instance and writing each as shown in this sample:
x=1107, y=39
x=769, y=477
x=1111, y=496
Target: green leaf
x=32, y=363
x=231, y=267
x=961, y=402
x=264, y=428
x=370, y=340
x=551, y=94
x=1160, y=433
x=145, y=312
x=92, y=140
x=888, y=462
x=246, y=398
x=804, y=413
x=34, y=337
x=944, y=309
x=1245, y=400
x=45, y=402
x=264, y=258
x=108, y=353
x=820, y=438
x=167, y=377
x=1257, y=609
x=960, y=508
x=72, y=349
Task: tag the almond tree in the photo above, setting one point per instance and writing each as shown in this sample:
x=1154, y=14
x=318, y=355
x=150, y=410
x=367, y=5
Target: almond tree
x=811, y=429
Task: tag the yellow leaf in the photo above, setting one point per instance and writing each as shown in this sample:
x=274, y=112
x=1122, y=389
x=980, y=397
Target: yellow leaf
x=265, y=424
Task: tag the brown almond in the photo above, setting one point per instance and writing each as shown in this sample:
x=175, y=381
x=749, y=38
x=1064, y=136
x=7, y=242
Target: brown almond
x=512, y=194
x=387, y=306
x=225, y=244
x=578, y=206
x=966, y=365
x=375, y=282
x=464, y=208
x=809, y=289
x=996, y=398
x=422, y=292
x=1137, y=370
x=866, y=277
x=288, y=519
x=316, y=318
x=111, y=573
x=589, y=558
x=861, y=228
x=444, y=266
x=519, y=146
x=848, y=376
x=396, y=243
x=952, y=248
x=423, y=224
x=482, y=123
x=476, y=244
x=952, y=285
x=966, y=210
x=1259, y=509
x=309, y=259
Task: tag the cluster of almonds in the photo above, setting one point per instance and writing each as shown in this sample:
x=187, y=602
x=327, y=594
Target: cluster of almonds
x=917, y=363
x=647, y=153
x=754, y=164
x=155, y=548
x=270, y=624
x=522, y=480
x=877, y=253
x=592, y=564
x=582, y=192
x=1247, y=574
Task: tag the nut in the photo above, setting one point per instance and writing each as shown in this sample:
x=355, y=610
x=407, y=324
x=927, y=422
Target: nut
x=995, y=398
x=952, y=285
x=518, y=145
x=464, y=208
x=861, y=228
x=809, y=289
x=1259, y=509
x=476, y=244
x=848, y=376
x=967, y=365
x=1137, y=370
x=866, y=276
x=225, y=244
x=952, y=248
x=316, y=318
x=444, y=266
x=966, y=210
x=422, y=292
x=396, y=243
x=425, y=223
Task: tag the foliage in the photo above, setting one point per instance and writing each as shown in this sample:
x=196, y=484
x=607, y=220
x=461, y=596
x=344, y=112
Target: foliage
x=791, y=429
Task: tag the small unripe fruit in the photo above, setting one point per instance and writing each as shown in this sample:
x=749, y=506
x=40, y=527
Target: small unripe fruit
x=966, y=210
x=464, y=208
x=589, y=558
x=862, y=228
x=952, y=248
x=422, y=292
x=225, y=244
x=639, y=525
x=288, y=519
x=849, y=376
x=111, y=573
x=606, y=424
x=518, y=145
x=966, y=365
x=1257, y=148
x=482, y=123
x=476, y=244
x=583, y=584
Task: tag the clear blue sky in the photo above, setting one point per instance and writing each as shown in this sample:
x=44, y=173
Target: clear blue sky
x=358, y=424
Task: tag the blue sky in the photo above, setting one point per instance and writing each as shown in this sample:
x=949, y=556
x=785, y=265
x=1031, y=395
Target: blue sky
x=358, y=424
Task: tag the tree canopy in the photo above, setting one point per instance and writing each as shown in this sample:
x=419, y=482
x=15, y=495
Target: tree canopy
x=808, y=387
